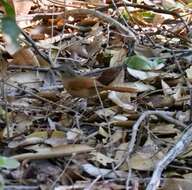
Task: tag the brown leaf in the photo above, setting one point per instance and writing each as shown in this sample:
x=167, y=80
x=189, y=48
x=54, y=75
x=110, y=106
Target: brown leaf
x=58, y=151
x=22, y=7
x=25, y=56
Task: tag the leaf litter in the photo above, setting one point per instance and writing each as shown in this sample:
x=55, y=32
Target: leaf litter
x=113, y=140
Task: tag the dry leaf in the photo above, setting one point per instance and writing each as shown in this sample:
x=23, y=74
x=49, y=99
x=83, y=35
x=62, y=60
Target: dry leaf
x=58, y=151
x=25, y=56
x=142, y=75
x=101, y=158
x=122, y=100
x=106, y=173
x=176, y=184
x=146, y=158
x=166, y=88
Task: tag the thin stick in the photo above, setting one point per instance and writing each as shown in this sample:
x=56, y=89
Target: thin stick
x=62, y=173
x=41, y=98
x=165, y=115
x=126, y=30
x=180, y=146
x=93, y=183
x=44, y=56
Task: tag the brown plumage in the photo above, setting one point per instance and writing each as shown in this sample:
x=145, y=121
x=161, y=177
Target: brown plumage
x=84, y=87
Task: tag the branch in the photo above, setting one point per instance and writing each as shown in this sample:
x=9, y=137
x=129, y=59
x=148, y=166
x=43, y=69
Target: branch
x=128, y=32
x=163, y=114
x=180, y=146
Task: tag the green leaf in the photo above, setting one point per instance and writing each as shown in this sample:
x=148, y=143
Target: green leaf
x=8, y=163
x=1, y=182
x=10, y=27
x=148, y=15
x=11, y=32
x=140, y=62
x=8, y=8
x=124, y=14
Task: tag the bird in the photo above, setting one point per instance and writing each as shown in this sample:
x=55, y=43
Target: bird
x=84, y=86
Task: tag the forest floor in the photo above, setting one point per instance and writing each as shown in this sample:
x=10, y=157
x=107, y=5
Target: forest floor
x=85, y=134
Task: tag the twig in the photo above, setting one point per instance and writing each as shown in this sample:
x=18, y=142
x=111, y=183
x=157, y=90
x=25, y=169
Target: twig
x=176, y=35
x=93, y=183
x=41, y=98
x=180, y=146
x=149, y=8
x=119, y=13
x=28, y=68
x=162, y=114
x=127, y=31
x=187, y=83
x=35, y=16
x=47, y=43
x=19, y=187
x=44, y=56
x=62, y=173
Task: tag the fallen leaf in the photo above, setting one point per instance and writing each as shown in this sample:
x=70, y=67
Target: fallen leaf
x=101, y=158
x=122, y=100
x=58, y=151
x=146, y=158
x=142, y=75
x=25, y=56
x=176, y=184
